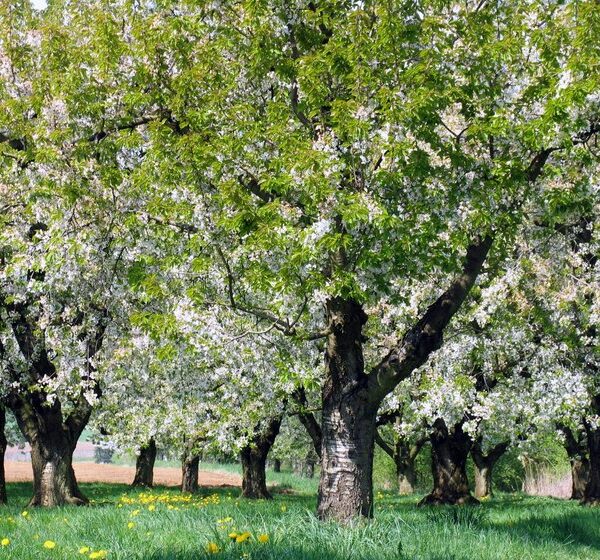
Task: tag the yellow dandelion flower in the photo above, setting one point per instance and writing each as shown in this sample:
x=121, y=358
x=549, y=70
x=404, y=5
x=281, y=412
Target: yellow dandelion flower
x=212, y=548
x=283, y=508
x=5, y=542
x=233, y=535
x=263, y=538
x=49, y=545
x=99, y=555
x=84, y=550
x=243, y=537
x=130, y=525
x=151, y=507
x=25, y=514
x=135, y=512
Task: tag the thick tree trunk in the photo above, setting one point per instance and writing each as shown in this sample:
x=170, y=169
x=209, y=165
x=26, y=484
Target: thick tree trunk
x=144, y=466
x=449, y=452
x=3, y=498
x=52, y=442
x=484, y=467
x=580, y=473
x=254, y=462
x=577, y=450
x=276, y=465
x=591, y=495
x=189, y=473
x=348, y=425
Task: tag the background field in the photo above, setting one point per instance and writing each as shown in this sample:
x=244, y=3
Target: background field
x=165, y=525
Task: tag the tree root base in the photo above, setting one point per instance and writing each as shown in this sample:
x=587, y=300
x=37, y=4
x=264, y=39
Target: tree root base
x=439, y=500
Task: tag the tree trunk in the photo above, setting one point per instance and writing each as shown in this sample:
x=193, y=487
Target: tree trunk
x=144, y=465
x=406, y=475
x=254, y=461
x=3, y=498
x=449, y=452
x=484, y=467
x=189, y=478
x=580, y=472
x=310, y=468
x=276, y=465
x=577, y=450
x=348, y=424
x=591, y=495
x=52, y=442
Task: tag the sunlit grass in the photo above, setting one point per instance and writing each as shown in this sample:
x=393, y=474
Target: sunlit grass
x=161, y=524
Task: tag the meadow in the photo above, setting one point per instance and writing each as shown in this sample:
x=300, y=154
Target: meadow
x=161, y=524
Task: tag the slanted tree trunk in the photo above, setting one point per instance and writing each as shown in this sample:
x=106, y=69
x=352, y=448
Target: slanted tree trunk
x=484, y=467
x=52, y=442
x=254, y=461
x=449, y=452
x=591, y=494
x=3, y=498
x=189, y=474
x=276, y=465
x=144, y=466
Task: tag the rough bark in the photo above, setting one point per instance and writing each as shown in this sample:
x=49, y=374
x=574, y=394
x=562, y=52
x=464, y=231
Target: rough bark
x=276, y=465
x=189, y=473
x=591, y=495
x=3, y=498
x=144, y=466
x=348, y=427
x=52, y=442
x=254, y=461
x=577, y=450
x=449, y=452
x=484, y=467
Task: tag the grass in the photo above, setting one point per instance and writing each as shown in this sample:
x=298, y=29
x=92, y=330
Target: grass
x=167, y=526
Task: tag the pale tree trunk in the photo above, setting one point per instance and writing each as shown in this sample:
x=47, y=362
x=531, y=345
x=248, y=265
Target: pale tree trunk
x=576, y=446
x=449, y=452
x=406, y=476
x=484, y=467
x=52, y=442
x=189, y=476
x=348, y=427
x=591, y=495
x=254, y=461
x=144, y=465
x=3, y=498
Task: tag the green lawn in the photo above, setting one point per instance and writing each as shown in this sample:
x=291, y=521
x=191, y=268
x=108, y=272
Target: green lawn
x=164, y=527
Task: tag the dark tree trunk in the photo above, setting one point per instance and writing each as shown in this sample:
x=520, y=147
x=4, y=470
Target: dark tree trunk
x=189, y=475
x=144, y=466
x=580, y=473
x=52, y=442
x=484, y=467
x=349, y=413
x=276, y=465
x=254, y=462
x=449, y=452
x=3, y=498
x=591, y=495
x=577, y=450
